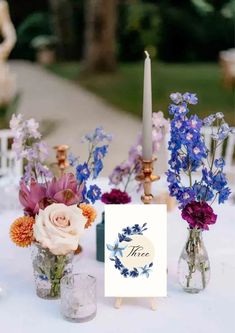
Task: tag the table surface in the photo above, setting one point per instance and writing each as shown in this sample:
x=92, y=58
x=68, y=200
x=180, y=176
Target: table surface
x=21, y=311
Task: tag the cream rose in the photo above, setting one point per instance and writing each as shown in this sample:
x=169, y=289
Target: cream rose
x=58, y=227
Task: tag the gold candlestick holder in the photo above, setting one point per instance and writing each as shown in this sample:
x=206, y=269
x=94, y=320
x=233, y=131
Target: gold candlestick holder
x=61, y=156
x=147, y=178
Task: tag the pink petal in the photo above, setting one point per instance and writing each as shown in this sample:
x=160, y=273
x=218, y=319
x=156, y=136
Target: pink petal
x=66, y=197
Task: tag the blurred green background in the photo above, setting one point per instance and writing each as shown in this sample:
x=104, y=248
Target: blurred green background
x=103, y=49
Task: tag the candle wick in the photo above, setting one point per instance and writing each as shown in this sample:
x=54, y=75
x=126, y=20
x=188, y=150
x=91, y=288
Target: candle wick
x=147, y=54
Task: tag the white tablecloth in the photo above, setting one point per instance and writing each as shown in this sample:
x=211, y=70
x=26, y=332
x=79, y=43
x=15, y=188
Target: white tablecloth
x=213, y=310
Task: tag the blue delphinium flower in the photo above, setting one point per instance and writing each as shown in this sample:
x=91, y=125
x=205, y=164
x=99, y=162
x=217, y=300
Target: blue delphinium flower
x=208, y=121
x=178, y=124
x=224, y=195
x=219, y=181
x=175, y=190
x=188, y=136
x=100, y=152
x=98, y=142
x=207, y=176
x=172, y=176
x=195, y=123
x=220, y=163
x=94, y=193
x=185, y=195
x=97, y=168
x=82, y=172
x=175, y=162
x=189, y=153
x=203, y=192
x=172, y=108
x=97, y=152
x=223, y=131
x=98, y=136
x=72, y=159
x=191, y=163
x=190, y=98
x=197, y=151
x=178, y=110
x=176, y=97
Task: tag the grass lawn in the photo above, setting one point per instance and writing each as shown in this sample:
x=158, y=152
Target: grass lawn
x=124, y=88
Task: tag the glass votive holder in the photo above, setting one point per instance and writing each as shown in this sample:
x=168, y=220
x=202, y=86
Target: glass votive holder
x=78, y=297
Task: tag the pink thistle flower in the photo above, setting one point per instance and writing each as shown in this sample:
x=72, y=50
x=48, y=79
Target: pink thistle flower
x=31, y=197
x=38, y=196
x=64, y=190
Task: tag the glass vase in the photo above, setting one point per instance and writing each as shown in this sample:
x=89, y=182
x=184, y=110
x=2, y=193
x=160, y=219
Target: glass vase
x=78, y=297
x=194, y=265
x=49, y=269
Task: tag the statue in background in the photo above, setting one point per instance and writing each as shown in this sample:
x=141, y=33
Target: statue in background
x=7, y=79
x=7, y=31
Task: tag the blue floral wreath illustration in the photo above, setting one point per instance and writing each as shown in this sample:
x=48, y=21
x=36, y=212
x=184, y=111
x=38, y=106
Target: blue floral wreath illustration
x=117, y=248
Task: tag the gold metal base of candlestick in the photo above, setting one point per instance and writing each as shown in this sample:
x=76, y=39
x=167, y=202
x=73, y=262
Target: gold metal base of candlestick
x=147, y=177
x=61, y=156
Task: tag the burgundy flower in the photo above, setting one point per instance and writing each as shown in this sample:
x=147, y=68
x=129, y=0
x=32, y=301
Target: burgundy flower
x=199, y=215
x=115, y=197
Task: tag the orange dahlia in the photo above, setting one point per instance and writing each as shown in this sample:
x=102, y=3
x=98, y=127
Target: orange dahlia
x=89, y=212
x=21, y=231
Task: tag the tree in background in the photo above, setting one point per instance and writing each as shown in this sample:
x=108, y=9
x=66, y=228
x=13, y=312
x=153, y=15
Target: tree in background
x=193, y=30
x=100, y=35
x=63, y=26
x=138, y=29
x=178, y=30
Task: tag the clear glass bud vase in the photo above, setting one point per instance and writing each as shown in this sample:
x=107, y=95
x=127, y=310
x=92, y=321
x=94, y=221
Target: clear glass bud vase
x=49, y=269
x=194, y=265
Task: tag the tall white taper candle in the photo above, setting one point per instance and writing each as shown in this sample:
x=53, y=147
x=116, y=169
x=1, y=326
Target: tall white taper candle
x=147, y=111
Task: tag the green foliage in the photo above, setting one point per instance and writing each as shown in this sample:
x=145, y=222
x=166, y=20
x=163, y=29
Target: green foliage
x=34, y=25
x=138, y=30
x=175, y=30
x=189, y=34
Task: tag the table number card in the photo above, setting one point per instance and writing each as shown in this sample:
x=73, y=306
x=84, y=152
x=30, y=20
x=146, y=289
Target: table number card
x=135, y=250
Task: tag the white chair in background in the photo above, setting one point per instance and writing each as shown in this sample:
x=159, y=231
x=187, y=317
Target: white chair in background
x=10, y=167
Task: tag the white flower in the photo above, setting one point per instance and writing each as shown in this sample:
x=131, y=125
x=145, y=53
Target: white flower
x=58, y=227
x=16, y=122
x=219, y=115
x=32, y=127
x=176, y=97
